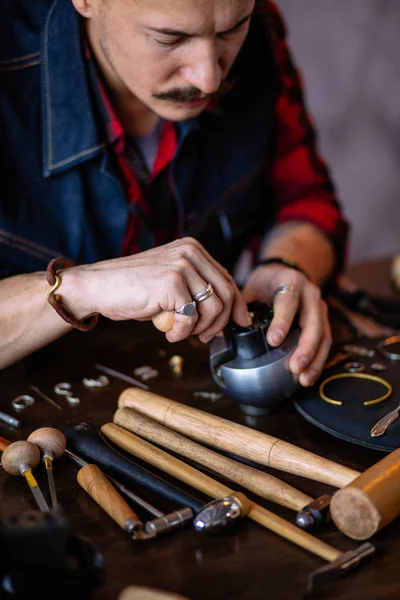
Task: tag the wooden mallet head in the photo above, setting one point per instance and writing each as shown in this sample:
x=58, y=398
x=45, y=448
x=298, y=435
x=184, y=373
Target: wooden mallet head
x=50, y=441
x=20, y=453
x=371, y=501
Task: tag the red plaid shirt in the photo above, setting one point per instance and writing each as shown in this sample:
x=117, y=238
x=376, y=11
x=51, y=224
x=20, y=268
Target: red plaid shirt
x=298, y=176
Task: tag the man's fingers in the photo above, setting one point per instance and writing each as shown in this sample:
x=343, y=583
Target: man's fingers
x=285, y=305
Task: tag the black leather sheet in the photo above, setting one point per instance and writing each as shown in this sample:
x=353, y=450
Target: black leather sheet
x=353, y=421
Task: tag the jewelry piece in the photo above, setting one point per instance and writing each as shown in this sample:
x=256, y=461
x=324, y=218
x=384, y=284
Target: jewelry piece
x=382, y=345
x=376, y=366
x=284, y=289
x=63, y=389
x=21, y=402
x=101, y=382
x=354, y=367
x=187, y=309
x=204, y=294
x=381, y=426
x=355, y=376
x=358, y=350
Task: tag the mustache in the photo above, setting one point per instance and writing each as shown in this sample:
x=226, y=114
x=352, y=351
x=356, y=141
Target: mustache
x=179, y=95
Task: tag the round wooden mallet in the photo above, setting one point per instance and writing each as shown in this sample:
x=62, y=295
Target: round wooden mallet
x=20, y=458
x=52, y=443
x=237, y=439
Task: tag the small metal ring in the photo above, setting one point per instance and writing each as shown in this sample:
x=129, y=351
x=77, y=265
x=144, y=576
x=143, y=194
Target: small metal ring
x=284, y=289
x=73, y=400
x=381, y=347
x=21, y=402
x=187, y=309
x=376, y=366
x=100, y=382
x=63, y=388
x=354, y=367
x=204, y=293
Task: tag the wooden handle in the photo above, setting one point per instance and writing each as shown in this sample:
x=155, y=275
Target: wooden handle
x=175, y=467
x=96, y=484
x=237, y=439
x=164, y=321
x=134, y=592
x=370, y=502
x=260, y=483
x=4, y=443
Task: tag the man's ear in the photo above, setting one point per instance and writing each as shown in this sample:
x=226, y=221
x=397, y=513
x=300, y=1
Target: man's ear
x=84, y=7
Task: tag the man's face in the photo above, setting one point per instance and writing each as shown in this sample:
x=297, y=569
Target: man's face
x=171, y=55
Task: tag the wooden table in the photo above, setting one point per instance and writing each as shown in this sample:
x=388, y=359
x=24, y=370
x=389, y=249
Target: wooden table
x=246, y=562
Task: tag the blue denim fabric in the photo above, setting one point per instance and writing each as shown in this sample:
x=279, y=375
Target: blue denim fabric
x=60, y=194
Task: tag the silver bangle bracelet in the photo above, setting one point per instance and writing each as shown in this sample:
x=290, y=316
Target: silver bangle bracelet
x=383, y=344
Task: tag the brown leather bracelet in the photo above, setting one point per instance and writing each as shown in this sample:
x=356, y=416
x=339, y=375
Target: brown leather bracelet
x=54, y=300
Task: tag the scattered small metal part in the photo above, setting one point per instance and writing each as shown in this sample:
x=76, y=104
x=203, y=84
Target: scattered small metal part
x=176, y=364
x=359, y=350
x=212, y=396
x=10, y=420
x=377, y=366
x=49, y=400
x=72, y=400
x=354, y=367
x=146, y=372
x=63, y=389
x=21, y=402
x=100, y=382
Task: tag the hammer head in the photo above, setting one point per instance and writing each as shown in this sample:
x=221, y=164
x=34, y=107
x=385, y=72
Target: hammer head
x=315, y=513
x=340, y=566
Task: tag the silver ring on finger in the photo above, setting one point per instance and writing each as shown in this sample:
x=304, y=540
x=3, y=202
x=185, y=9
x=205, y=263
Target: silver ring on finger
x=285, y=289
x=187, y=309
x=204, y=294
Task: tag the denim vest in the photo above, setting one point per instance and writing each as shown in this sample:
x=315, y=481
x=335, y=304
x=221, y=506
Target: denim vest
x=60, y=194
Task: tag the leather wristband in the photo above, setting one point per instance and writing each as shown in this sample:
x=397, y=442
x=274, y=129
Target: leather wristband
x=54, y=300
x=286, y=262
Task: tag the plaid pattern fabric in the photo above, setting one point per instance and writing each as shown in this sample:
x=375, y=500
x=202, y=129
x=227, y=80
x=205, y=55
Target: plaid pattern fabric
x=298, y=177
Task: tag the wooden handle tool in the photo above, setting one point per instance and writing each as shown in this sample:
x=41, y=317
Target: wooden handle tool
x=175, y=467
x=237, y=439
x=371, y=501
x=99, y=487
x=4, y=443
x=164, y=321
x=260, y=483
x=134, y=592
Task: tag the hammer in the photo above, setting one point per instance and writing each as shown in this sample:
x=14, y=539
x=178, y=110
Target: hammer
x=339, y=562
x=258, y=482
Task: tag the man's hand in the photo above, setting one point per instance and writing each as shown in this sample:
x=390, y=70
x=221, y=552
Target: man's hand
x=303, y=298
x=162, y=279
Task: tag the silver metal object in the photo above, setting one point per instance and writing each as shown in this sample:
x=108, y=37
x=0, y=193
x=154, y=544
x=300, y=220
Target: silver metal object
x=63, y=389
x=10, y=420
x=204, y=293
x=382, y=425
x=187, y=309
x=121, y=376
x=146, y=372
x=49, y=400
x=218, y=515
x=284, y=289
x=21, y=402
x=354, y=367
x=377, y=366
x=213, y=396
x=72, y=400
x=315, y=513
x=383, y=344
x=101, y=381
x=358, y=350
x=48, y=458
x=35, y=489
x=167, y=523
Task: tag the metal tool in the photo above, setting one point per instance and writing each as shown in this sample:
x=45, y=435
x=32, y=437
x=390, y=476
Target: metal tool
x=46, y=398
x=163, y=523
x=21, y=402
x=52, y=443
x=382, y=425
x=19, y=458
x=242, y=360
x=315, y=513
x=121, y=376
x=13, y=421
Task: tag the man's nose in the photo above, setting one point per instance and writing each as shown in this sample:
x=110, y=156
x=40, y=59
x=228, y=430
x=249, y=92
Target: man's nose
x=204, y=70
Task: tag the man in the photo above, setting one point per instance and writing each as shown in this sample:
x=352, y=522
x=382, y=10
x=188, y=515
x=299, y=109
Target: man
x=151, y=141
